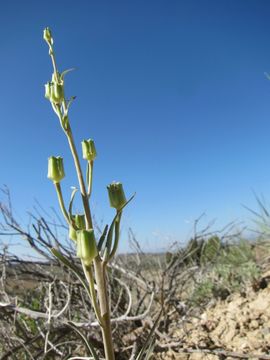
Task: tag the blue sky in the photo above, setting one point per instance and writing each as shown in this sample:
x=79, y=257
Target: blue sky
x=173, y=92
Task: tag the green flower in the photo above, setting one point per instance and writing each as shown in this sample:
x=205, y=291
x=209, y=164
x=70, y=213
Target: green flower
x=116, y=195
x=54, y=92
x=86, y=246
x=56, y=169
x=89, y=150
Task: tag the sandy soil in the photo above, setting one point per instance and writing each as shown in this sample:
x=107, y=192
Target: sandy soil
x=240, y=324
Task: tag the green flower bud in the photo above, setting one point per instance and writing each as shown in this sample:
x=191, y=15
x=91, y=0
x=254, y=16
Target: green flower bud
x=86, y=246
x=89, y=150
x=47, y=36
x=79, y=222
x=116, y=195
x=56, y=169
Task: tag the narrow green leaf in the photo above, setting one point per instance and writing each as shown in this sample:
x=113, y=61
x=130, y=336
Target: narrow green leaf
x=108, y=244
x=65, y=72
x=102, y=238
x=150, y=349
x=72, y=267
x=74, y=190
x=89, y=346
x=129, y=200
x=70, y=101
x=150, y=341
x=116, y=235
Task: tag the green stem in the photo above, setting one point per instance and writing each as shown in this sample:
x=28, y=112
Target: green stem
x=90, y=167
x=51, y=52
x=73, y=149
x=89, y=223
x=100, y=271
x=89, y=276
x=61, y=201
x=100, y=268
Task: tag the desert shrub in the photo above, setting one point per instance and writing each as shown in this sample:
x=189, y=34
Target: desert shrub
x=224, y=269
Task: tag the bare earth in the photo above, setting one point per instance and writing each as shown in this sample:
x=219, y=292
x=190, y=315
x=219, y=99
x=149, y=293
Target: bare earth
x=240, y=324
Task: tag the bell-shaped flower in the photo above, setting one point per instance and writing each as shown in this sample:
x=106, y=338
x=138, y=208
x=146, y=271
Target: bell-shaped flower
x=56, y=169
x=116, y=195
x=89, y=150
x=86, y=246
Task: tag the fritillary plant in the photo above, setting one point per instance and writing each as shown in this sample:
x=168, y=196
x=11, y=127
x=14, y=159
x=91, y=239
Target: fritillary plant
x=94, y=254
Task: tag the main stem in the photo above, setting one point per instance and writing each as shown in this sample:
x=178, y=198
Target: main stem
x=100, y=268
x=89, y=223
x=100, y=272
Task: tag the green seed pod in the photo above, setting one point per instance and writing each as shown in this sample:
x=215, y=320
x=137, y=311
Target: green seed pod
x=116, y=195
x=86, y=246
x=47, y=36
x=56, y=169
x=89, y=150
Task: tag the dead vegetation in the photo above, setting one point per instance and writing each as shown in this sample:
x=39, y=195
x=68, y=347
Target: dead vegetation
x=213, y=293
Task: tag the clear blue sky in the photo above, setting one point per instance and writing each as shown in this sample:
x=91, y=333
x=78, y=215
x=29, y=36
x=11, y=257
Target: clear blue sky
x=173, y=92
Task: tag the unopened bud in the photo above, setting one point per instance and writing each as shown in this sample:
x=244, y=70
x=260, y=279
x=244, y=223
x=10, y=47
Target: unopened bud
x=56, y=169
x=89, y=150
x=47, y=36
x=86, y=246
x=116, y=195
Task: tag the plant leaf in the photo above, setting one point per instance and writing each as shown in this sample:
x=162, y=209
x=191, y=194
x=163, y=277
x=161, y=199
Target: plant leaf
x=65, y=72
x=74, y=190
x=102, y=238
x=110, y=232
x=89, y=346
x=72, y=267
x=150, y=341
x=70, y=101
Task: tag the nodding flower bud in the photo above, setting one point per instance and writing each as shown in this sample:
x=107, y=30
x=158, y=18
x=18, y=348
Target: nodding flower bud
x=86, y=246
x=89, y=150
x=47, y=36
x=56, y=169
x=116, y=195
x=79, y=222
